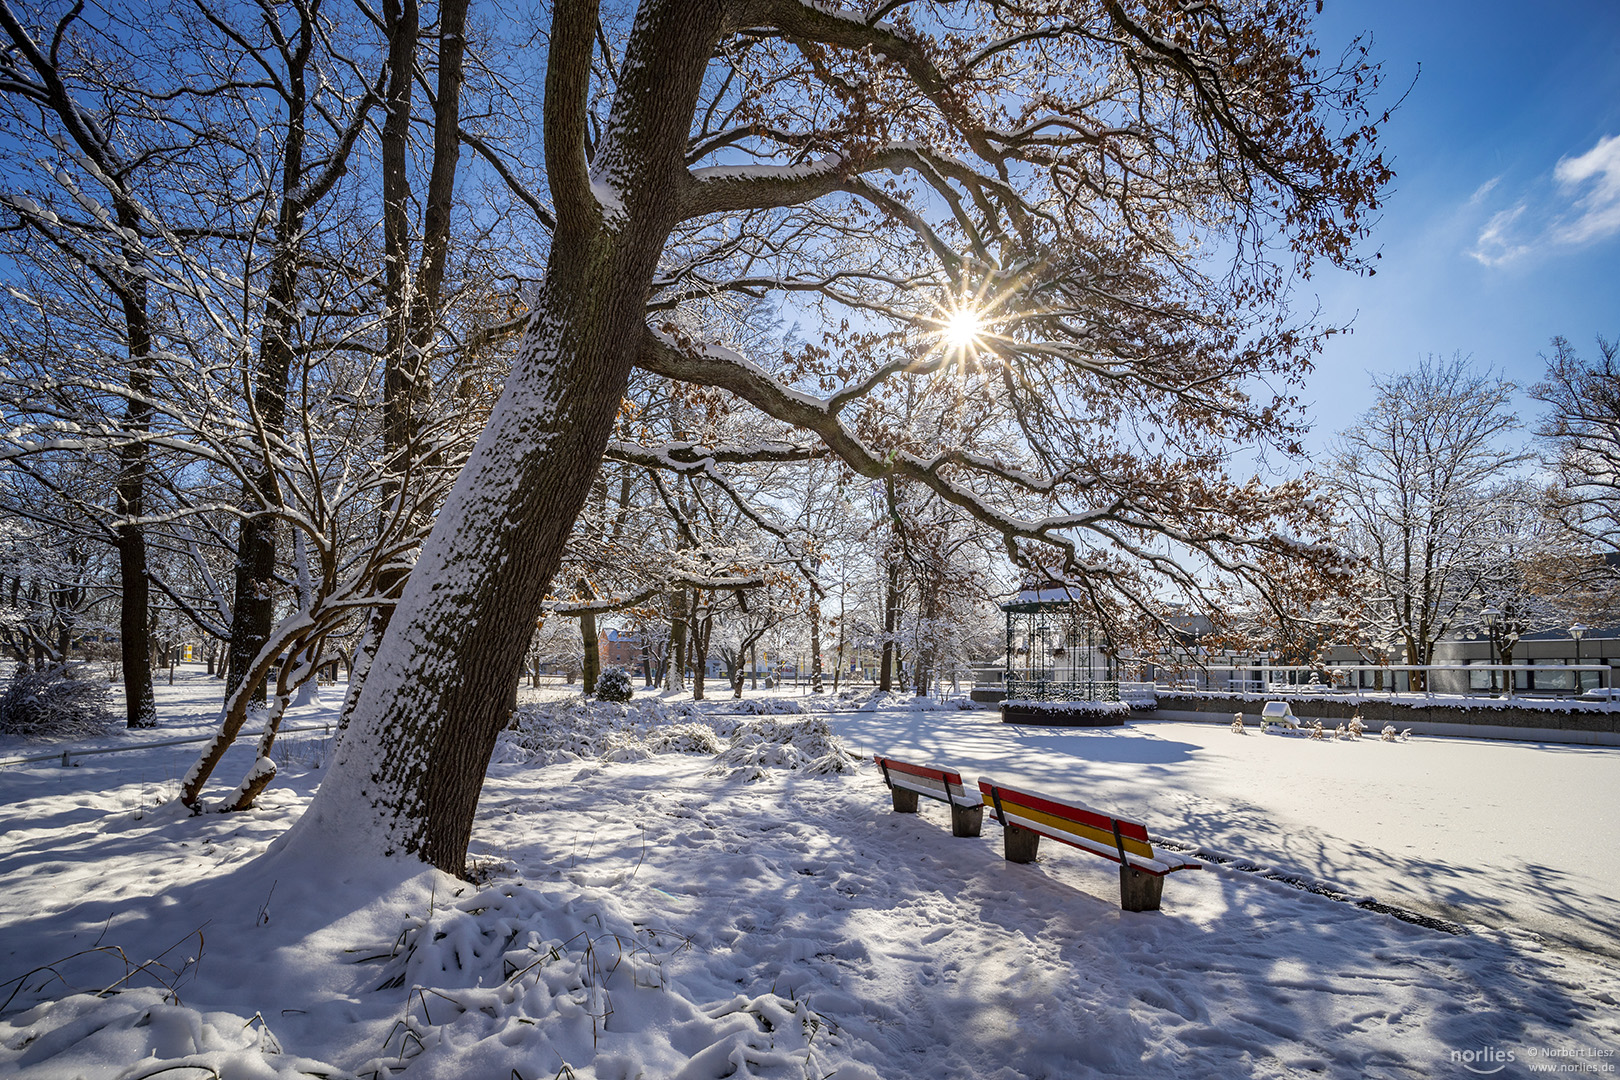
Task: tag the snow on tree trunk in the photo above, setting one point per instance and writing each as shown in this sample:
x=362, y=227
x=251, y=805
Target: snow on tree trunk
x=408, y=773
x=411, y=763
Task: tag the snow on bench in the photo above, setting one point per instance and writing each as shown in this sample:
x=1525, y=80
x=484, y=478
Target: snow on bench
x=1279, y=712
x=907, y=781
x=1026, y=817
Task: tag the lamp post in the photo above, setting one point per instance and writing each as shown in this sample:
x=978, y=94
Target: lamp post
x=1493, y=621
x=1576, y=632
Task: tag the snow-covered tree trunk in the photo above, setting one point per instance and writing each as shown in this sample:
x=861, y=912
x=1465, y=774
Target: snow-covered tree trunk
x=409, y=771
x=891, y=616
x=675, y=655
x=815, y=646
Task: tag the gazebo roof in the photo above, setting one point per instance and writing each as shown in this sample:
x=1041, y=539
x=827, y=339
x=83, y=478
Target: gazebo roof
x=1051, y=598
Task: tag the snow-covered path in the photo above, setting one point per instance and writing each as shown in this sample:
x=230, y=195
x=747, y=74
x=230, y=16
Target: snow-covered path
x=1506, y=834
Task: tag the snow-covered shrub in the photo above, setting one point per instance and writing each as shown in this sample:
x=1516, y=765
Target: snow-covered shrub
x=559, y=731
x=684, y=739
x=807, y=745
x=1059, y=711
x=770, y=707
x=58, y=702
x=1237, y=724
x=548, y=733
x=1356, y=726
x=614, y=685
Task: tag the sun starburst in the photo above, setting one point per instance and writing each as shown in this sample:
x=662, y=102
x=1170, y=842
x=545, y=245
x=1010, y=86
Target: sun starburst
x=963, y=330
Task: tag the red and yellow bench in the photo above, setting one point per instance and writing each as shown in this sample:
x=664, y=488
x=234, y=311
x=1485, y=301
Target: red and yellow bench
x=907, y=781
x=1025, y=817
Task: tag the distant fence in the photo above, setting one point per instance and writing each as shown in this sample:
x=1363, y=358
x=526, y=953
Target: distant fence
x=66, y=756
x=1437, y=680
x=1062, y=690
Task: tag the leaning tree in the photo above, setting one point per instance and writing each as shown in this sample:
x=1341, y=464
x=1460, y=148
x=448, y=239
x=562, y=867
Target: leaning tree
x=1078, y=220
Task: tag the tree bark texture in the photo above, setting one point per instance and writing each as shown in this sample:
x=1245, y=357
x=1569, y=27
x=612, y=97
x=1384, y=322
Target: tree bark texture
x=407, y=776
x=891, y=616
x=593, y=651
x=135, y=606
x=815, y=647
x=675, y=661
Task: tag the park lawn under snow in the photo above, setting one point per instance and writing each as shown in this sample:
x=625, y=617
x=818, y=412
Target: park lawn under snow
x=700, y=914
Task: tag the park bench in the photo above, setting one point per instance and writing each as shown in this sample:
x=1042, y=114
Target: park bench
x=1279, y=712
x=907, y=781
x=1026, y=817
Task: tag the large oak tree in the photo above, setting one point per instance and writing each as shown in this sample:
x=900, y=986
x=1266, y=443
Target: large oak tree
x=1079, y=220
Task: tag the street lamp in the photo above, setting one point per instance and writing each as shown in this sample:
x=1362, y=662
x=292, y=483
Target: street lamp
x=1578, y=631
x=1493, y=621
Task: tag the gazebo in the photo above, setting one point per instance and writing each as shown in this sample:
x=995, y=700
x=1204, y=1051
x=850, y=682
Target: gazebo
x=1055, y=650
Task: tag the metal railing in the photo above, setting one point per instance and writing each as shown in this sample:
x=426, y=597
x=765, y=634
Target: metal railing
x=67, y=755
x=1391, y=679
x=1063, y=690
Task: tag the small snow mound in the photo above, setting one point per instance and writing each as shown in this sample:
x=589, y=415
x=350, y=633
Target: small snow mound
x=517, y=973
x=91, y=1035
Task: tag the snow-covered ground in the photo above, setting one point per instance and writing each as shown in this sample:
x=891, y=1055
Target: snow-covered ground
x=703, y=914
x=1513, y=835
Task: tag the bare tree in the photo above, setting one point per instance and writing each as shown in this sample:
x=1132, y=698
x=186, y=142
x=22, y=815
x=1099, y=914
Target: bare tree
x=1582, y=437
x=1414, y=480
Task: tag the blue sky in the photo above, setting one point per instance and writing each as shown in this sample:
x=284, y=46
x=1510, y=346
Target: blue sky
x=1503, y=227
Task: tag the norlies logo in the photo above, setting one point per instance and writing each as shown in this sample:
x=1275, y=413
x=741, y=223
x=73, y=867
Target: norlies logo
x=1484, y=1062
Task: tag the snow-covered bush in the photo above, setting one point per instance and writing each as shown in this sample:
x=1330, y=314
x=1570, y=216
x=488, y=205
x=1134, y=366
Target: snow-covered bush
x=558, y=731
x=684, y=739
x=58, y=702
x=573, y=730
x=614, y=685
x=807, y=745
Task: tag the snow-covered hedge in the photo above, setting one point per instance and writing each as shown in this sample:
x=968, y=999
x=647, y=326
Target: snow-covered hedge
x=1058, y=709
x=58, y=702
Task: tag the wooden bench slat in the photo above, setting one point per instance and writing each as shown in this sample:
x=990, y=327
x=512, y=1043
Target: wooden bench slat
x=934, y=789
x=1061, y=829
x=921, y=770
x=943, y=784
x=1082, y=827
x=1146, y=864
x=1070, y=812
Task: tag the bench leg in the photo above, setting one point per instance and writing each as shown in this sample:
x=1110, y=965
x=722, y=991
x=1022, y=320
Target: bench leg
x=1019, y=843
x=1139, y=891
x=905, y=800
x=966, y=820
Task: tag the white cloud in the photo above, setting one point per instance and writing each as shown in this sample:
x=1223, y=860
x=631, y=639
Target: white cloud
x=1483, y=190
x=1583, y=208
x=1600, y=206
x=1497, y=243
